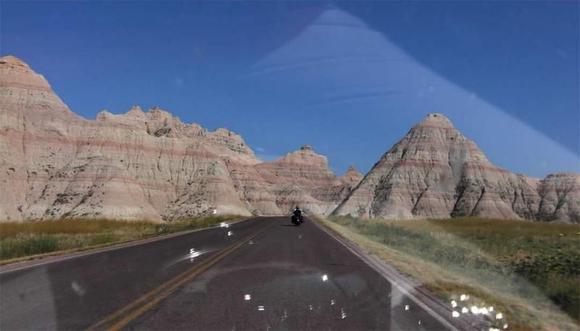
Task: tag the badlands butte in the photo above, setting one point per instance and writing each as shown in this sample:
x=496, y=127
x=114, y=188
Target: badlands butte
x=149, y=165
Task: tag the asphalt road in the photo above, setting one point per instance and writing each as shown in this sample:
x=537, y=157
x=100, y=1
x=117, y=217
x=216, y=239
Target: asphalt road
x=259, y=274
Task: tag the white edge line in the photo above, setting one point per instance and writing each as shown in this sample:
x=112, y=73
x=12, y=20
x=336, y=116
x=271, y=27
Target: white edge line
x=402, y=287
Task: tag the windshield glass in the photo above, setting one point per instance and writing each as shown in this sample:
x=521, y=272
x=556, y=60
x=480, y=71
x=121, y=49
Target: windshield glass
x=290, y=165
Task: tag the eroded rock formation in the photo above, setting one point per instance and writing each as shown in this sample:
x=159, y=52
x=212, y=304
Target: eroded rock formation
x=560, y=198
x=303, y=177
x=150, y=165
x=138, y=165
x=436, y=172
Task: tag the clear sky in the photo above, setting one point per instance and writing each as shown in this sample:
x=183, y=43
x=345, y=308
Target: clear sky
x=349, y=78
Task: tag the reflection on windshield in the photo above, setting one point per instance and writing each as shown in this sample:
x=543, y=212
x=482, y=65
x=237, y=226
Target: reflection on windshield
x=394, y=165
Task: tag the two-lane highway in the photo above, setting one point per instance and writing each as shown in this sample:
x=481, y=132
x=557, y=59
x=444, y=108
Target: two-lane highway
x=263, y=273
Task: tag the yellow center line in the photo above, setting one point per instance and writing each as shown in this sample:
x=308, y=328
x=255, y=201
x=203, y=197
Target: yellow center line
x=130, y=312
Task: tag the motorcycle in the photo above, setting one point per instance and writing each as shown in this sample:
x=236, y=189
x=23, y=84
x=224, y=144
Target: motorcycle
x=297, y=220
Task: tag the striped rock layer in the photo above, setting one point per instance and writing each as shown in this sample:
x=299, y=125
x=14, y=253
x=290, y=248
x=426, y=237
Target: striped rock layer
x=139, y=165
x=150, y=165
x=436, y=172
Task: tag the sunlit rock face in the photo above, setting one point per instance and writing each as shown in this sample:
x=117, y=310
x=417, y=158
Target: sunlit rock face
x=560, y=197
x=436, y=172
x=150, y=165
x=303, y=178
x=138, y=165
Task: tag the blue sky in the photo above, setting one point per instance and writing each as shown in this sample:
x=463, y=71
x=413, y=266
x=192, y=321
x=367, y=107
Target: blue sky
x=350, y=78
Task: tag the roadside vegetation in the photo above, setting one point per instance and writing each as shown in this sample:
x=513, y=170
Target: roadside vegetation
x=23, y=240
x=529, y=271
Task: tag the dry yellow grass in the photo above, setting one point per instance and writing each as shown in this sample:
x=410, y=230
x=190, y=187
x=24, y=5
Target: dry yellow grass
x=37, y=238
x=477, y=257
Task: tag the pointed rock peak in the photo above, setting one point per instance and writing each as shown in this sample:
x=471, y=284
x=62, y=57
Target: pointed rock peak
x=351, y=177
x=104, y=115
x=437, y=120
x=16, y=72
x=158, y=114
x=307, y=148
x=352, y=174
x=156, y=109
x=13, y=61
x=305, y=155
x=134, y=113
x=29, y=90
x=136, y=110
x=352, y=170
x=304, y=151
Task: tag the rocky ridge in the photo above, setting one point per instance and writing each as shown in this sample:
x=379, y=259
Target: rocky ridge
x=137, y=165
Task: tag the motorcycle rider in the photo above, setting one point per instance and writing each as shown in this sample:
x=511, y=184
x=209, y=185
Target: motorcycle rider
x=297, y=213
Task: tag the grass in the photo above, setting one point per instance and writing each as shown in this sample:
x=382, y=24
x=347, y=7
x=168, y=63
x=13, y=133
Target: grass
x=529, y=271
x=23, y=240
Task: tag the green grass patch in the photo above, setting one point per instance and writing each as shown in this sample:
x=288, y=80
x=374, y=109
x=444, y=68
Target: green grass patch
x=31, y=238
x=532, y=270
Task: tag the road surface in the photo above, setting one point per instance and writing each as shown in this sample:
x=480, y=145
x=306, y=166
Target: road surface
x=258, y=274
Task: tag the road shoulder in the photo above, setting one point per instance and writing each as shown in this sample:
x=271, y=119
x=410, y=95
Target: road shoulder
x=408, y=286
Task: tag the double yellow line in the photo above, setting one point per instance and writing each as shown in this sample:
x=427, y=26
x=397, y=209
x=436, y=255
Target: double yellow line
x=125, y=315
